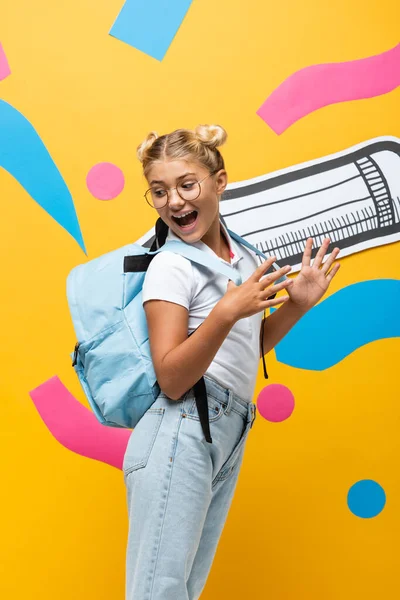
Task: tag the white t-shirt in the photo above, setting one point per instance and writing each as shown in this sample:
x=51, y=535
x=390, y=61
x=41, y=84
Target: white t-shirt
x=173, y=278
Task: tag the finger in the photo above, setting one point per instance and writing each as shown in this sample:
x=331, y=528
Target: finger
x=321, y=253
x=274, y=289
x=333, y=272
x=261, y=269
x=330, y=260
x=274, y=302
x=266, y=280
x=305, y=262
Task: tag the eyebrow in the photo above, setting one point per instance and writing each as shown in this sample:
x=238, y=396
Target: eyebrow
x=181, y=177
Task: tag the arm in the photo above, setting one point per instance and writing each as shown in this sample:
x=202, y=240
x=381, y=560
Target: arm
x=278, y=324
x=180, y=361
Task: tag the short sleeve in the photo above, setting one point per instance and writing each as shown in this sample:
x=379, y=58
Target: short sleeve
x=169, y=277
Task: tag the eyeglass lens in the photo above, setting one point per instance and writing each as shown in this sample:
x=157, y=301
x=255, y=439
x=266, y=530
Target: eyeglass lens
x=158, y=196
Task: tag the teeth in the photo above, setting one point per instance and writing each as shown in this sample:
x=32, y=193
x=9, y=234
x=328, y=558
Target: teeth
x=184, y=215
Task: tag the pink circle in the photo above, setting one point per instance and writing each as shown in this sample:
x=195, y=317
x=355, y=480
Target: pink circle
x=105, y=181
x=275, y=403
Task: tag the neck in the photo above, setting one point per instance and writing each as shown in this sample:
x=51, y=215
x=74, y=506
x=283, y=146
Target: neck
x=215, y=239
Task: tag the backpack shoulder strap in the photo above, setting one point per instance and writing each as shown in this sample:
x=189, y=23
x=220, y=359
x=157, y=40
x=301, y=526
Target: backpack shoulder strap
x=243, y=242
x=201, y=258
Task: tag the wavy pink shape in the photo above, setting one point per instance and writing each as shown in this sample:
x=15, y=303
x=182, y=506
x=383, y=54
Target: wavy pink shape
x=4, y=67
x=316, y=86
x=76, y=427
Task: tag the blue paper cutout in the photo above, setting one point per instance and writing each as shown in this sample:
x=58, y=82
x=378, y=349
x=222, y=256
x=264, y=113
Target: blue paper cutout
x=343, y=322
x=150, y=25
x=25, y=157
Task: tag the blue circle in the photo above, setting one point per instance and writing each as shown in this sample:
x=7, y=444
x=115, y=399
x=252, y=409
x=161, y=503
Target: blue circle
x=366, y=498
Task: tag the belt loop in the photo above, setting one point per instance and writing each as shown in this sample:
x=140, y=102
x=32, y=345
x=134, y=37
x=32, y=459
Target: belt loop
x=230, y=400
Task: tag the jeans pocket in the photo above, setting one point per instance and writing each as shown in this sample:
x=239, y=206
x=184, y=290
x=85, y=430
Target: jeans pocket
x=234, y=458
x=215, y=407
x=141, y=441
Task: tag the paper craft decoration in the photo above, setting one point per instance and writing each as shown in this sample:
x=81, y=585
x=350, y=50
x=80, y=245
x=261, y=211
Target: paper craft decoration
x=150, y=25
x=366, y=499
x=316, y=86
x=341, y=324
x=75, y=426
x=4, y=66
x=275, y=402
x=351, y=196
x=105, y=181
x=25, y=157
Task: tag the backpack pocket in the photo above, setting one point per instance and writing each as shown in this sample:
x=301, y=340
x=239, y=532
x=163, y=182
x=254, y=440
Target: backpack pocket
x=118, y=377
x=142, y=440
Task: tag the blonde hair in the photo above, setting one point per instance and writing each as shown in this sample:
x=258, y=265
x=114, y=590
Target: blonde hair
x=200, y=144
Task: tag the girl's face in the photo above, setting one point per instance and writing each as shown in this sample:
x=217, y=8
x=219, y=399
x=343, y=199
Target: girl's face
x=185, y=175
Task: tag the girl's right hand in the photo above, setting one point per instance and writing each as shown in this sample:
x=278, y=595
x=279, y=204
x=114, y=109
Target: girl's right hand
x=251, y=296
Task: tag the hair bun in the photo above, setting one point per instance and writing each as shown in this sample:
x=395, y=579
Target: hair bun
x=146, y=145
x=211, y=136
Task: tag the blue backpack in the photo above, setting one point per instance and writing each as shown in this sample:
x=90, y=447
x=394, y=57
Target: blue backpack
x=112, y=356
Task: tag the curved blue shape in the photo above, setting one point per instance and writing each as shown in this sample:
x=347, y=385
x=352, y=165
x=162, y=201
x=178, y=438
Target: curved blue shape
x=339, y=325
x=25, y=157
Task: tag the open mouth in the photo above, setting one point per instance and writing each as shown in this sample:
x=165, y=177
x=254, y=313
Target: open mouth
x=187, y=221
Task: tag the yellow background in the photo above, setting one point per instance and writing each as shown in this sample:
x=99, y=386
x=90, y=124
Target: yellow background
x=92, y=98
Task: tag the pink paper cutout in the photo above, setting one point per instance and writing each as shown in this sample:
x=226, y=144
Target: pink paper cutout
x=316, y=86
x=275, y=403
x=76, y=427
x=4, y=66
x=105, y=181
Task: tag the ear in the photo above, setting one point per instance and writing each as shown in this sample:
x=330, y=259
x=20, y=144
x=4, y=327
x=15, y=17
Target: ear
x=221, y=181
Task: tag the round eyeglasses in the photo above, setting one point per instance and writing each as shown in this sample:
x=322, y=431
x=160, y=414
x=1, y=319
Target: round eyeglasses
x=190, y=189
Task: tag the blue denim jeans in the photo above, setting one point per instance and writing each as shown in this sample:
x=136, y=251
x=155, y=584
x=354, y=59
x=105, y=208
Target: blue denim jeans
x=179, y=491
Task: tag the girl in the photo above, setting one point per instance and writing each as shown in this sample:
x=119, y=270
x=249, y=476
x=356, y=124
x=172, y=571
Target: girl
x=179, y=486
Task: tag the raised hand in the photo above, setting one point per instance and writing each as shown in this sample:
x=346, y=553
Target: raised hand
x=252, y=295
x=313, y=280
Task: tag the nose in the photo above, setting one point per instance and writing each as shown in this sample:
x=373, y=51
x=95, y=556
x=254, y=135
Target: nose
x=174, y=199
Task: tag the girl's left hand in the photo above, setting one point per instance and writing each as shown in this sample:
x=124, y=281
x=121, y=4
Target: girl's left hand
x=313, y=280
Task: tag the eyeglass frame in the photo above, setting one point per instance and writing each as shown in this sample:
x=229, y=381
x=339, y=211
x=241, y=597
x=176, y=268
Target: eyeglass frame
x=176, y=188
